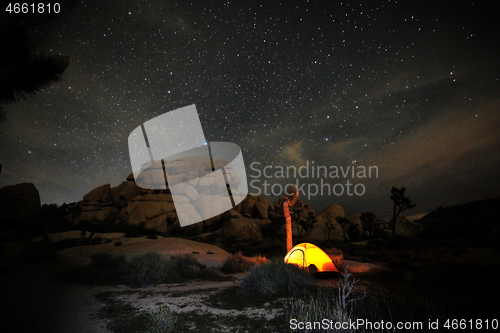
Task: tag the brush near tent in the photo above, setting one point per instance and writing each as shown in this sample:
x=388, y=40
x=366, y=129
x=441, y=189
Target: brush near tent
x=305, y=255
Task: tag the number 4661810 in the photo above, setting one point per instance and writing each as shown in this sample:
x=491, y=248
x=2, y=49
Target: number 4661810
x=33, y=8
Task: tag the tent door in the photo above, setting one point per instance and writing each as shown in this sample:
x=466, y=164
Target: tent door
x=297, y=256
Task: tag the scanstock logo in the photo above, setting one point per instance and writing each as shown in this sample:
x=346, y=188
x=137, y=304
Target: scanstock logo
x=170, y=152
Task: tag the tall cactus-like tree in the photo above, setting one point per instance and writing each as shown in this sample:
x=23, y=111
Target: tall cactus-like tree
x=290, y=199
x=367, y=219
x=401, y=203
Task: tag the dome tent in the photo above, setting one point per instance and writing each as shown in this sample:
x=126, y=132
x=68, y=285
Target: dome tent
x=305, y=255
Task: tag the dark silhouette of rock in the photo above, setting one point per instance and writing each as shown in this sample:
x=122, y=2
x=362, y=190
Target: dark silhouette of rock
x=476, y=221
x=407, y=228
x=130, y=205
x=19, y=202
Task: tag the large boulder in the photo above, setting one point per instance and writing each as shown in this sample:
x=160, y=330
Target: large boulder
x=380, y=224
x=216, y=222
x=319, y=232
x=98, y=215
x=330, y=214
x=407, y=228
x=246, y=206
x=241, y=229
x=260, y=211
x=144, y=207
x=264, y=201
x=210, y=206
x=100, y=194
x=195, y=193
x=125, y=191
x=19, y=202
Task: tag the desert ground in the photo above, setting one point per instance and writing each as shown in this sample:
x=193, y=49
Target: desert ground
x=32, y=301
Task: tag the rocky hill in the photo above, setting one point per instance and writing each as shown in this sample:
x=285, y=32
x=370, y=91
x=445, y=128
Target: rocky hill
x=476, y=221
x=130, y=205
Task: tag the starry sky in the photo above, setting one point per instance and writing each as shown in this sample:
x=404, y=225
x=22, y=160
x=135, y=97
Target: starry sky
x=411, y=87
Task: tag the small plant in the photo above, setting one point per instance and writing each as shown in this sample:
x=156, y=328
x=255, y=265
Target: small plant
x=336, y=256
x=159, y=320
x=346, y=287
x=237, y=263
x=144, y=269
x=148, y=268
x=315, y=308
x=321, y=304
x=276, y=278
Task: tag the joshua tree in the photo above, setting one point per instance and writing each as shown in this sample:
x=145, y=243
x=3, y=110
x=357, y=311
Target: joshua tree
x=23, y=72
x=304, y=225
x=290, y=198
x=400, y=204
x=367, y=219
x=330, y=226
x=343, y=221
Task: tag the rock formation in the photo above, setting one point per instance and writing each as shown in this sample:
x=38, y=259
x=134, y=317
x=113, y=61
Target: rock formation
x=407, y=228
x=130, y=205
x=18, y=203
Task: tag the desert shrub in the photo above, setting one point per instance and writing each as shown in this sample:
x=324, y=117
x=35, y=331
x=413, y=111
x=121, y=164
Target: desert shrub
x=184, y=267
x=325, y=303
x=336, y=256
x=276, y=278
x=159, y=320
x=148, y=268
x=237, y=263
x=314, y=309
x=151, y=268
x=211, y=274
x=144, y=269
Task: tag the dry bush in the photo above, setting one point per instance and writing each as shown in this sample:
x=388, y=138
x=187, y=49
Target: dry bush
x=237, y=263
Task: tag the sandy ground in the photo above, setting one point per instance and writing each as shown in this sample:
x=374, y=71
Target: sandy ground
x=32, y=302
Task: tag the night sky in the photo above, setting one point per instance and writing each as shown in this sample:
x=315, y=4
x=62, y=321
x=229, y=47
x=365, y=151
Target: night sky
x=412, y=87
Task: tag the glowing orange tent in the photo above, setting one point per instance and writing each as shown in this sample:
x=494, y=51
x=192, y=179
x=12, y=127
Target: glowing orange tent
x=306, y=254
